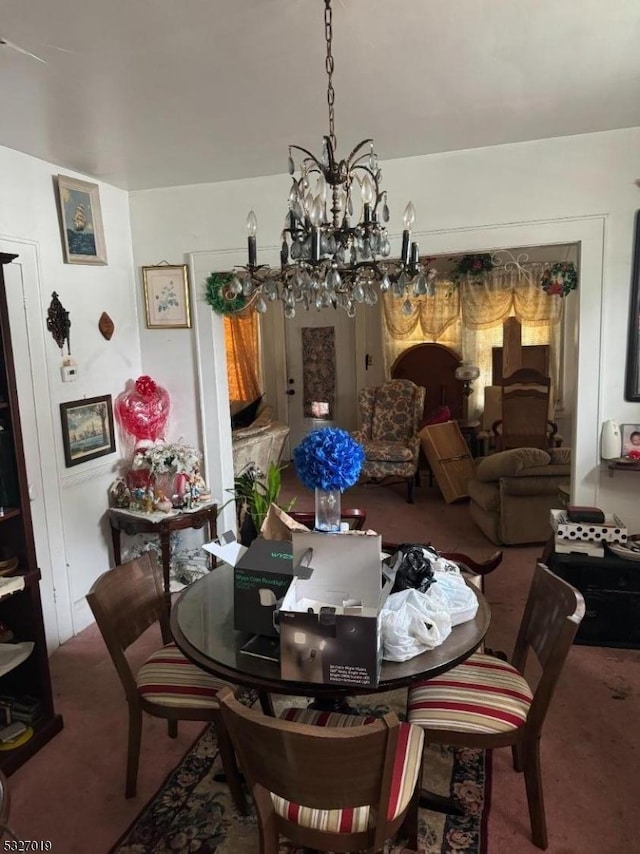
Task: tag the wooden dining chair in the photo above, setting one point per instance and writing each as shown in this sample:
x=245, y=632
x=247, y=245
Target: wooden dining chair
x=328, y=781
x=354, y=517
x=486, y=702
x=125, y=602
x=473, y=570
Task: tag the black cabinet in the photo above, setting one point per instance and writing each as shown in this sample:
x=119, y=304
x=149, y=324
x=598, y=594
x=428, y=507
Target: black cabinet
x=25, y=683
x=611, y=590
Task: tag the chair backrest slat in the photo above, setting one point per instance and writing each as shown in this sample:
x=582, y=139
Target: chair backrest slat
x=550, y=621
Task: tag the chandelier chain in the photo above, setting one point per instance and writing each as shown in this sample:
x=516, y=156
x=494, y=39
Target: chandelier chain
x=331, y=95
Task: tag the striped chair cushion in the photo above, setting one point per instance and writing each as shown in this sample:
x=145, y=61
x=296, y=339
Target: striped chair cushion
x=482, y=695
x=169, y=679
x=407, y=764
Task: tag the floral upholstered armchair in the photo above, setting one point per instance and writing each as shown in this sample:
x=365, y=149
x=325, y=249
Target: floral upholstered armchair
x=391, y=415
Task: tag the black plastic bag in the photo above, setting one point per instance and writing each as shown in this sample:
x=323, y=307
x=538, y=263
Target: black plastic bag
x=413, y=568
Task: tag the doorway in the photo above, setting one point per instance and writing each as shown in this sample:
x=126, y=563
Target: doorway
x=23, y=298
x=321, y=383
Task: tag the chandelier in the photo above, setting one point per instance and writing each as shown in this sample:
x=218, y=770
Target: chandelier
x=328, y=258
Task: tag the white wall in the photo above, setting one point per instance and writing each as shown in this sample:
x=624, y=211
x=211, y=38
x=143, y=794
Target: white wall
x=79, y=495
x=559, y=190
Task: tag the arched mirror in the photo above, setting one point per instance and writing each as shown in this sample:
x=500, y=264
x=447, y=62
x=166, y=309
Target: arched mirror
x=632, y=381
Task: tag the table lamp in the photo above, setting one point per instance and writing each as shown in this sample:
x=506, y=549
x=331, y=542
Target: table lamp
x=466, y=372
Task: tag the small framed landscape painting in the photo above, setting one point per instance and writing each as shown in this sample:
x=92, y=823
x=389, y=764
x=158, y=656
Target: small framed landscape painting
x=87, y=429
x=80, y=221
x=166, y=296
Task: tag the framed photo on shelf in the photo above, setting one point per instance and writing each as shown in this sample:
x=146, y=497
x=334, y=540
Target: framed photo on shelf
x=630, y=438
x=80, y=221
x=87, y=429
x=166, y=296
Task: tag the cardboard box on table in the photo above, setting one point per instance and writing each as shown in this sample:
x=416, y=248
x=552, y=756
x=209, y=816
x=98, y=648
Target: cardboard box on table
x=329, y=622
x=261, y=576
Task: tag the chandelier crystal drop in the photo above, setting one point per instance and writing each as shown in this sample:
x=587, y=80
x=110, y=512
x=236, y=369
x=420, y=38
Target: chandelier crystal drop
x=328, y=257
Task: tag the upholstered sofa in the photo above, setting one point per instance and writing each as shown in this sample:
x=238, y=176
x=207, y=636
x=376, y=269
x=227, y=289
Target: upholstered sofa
x=260, y=443
x=513, y=491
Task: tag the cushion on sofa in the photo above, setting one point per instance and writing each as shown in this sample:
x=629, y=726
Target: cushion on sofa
x=560, y=456
x=243, y=413
x=510, y=463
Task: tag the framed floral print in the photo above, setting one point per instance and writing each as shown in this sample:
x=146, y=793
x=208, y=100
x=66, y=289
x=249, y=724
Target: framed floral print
x=80, y=221
x=166, y=296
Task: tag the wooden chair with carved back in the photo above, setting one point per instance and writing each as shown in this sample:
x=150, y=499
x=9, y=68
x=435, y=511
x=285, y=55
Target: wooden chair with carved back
x=525, y=412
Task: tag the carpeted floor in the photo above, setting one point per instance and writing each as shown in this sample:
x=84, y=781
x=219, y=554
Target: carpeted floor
x=71, y=792
x=193, y=812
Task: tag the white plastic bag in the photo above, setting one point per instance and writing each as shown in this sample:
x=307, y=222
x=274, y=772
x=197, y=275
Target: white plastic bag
x=451, y=593
x=413, y=622
x=410, y=625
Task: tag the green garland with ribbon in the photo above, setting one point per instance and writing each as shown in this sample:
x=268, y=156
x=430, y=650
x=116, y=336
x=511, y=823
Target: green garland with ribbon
x=560, y=279
x=218, y=296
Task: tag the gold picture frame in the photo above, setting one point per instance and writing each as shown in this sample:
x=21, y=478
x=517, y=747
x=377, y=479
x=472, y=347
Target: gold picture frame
x=80, y=221
x=166, y=296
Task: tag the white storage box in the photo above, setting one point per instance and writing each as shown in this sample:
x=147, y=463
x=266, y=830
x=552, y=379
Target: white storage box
x=580, y=547
x=611, y=531
x=329, y=623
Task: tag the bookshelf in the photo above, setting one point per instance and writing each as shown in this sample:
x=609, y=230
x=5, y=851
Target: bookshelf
x=25, y=678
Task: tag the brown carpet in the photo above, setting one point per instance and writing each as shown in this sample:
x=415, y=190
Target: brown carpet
x=192, y=812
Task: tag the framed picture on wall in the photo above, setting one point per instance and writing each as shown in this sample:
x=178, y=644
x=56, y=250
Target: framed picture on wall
x=80, y=221
x=630, y=438
x=87, y=429
x=166, y=296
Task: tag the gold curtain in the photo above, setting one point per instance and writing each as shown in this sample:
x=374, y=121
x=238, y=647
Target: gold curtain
x=506, y=293
x=432, y=319
x=242, y=344
x=469, y=319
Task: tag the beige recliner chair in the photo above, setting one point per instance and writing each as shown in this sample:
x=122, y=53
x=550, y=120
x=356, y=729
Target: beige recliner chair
x=513, y=491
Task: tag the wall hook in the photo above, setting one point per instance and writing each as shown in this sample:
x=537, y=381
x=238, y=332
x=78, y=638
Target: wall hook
x=58, y=323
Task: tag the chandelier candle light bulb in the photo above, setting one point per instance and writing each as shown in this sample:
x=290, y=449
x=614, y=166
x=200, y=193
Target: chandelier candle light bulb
x=252, y=228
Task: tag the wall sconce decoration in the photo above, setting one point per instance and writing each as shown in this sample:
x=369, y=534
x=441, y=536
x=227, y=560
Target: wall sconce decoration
x=106, y=326
x=467, y=373
x=58, y=323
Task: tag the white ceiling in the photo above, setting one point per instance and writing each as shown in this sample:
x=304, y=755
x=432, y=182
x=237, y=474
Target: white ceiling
x=151, y=93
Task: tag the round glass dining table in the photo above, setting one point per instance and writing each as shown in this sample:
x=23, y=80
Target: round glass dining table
x=202, y=627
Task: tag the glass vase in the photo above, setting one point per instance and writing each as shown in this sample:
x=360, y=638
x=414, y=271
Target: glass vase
x=327, y=510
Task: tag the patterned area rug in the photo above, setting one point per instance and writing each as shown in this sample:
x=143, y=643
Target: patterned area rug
x=194, y=814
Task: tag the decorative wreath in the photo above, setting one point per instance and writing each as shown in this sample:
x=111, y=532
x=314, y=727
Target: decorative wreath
x=220, y=298
x=560, y=279
x=471, y=265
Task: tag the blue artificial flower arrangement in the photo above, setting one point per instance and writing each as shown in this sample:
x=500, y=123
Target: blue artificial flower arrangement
x=328, y=458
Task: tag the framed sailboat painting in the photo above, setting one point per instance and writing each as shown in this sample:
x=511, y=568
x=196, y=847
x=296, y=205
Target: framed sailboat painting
x=80, y=221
